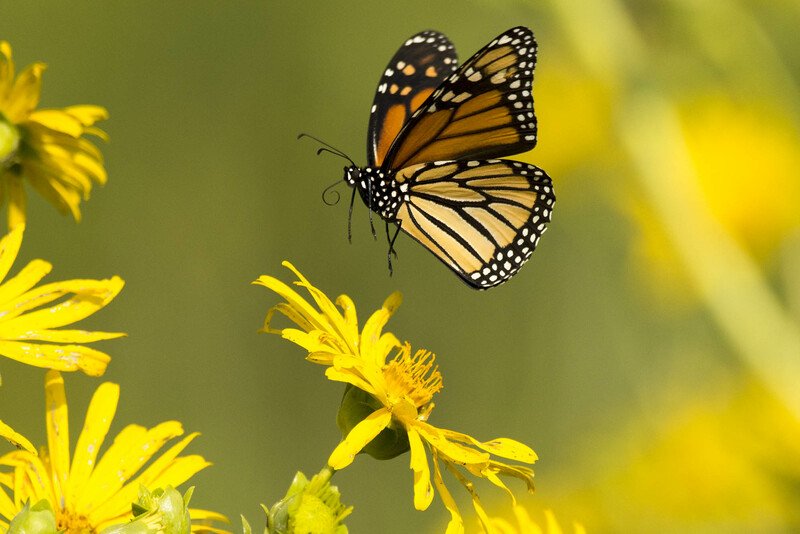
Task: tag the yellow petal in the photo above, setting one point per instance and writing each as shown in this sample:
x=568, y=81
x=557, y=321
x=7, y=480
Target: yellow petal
x=349, y=378
x=211, y=530
x=59, y=150
x=59, y=171
x=486, y=522
x=552, y=525
x=58, y=357
x=9, y=247
x=324, y=304
x=57, y=432
x=456, y=524
x=87, y=114
x=46, y=140
x=16, y=439
x=503, y=447
x=207, y=515
x=57, y=120
x=24, y=95
x=290, y=313
x=484, y=518
x=371, y=333
x=492, y=477
x=131, y=449
x=176, y=472
x=423, y=489
x=99, y=416
x=62, y=336
x=97, y=132
x=454, y=451
x=28, y=277
x=350, y=316
x=31, y=478
x=7, y=510
x=311, y=341
x=520, y=472
x=294, y=299
x=66, y=199
x=180, y=470
x=17, y=201
x=361, y=434
x=89, y=297
x=163, y=462
x=6, y=72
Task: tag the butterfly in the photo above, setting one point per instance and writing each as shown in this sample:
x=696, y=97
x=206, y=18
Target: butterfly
x=435, y=131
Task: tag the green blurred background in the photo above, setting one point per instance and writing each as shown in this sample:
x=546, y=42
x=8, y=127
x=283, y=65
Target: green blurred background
x=613, y=354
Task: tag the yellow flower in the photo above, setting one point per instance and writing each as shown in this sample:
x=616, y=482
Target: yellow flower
x=525, y=525
x=47, y=147
x=32, y=335
x=747, y=159
x=401, y=390
x=87, y=492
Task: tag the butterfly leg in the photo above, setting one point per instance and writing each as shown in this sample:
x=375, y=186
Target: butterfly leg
x=391, y=246
x=390, y=240
x=371, y=224
x=350, y=218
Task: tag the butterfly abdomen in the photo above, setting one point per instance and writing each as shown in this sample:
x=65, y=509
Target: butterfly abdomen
x=378, y=188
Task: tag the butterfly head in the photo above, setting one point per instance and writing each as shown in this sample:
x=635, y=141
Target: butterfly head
x=351, y=175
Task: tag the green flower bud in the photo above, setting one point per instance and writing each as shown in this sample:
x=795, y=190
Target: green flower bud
x=36, y=519
x=309, y=507
x=172, y=507
x=355, y=407
x=9, y=141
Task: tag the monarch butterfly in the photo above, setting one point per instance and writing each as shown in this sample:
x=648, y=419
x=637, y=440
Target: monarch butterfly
x=431, y=127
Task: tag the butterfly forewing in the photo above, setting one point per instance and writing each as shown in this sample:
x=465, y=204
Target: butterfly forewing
x=483, y=110
x=419, y=67
x=483, y=219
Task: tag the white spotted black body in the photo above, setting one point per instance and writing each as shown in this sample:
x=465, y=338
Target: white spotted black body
x=378, y=189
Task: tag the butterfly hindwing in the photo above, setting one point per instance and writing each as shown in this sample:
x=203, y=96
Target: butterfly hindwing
x=483, y=219
x=418, y=67
x=483, y=110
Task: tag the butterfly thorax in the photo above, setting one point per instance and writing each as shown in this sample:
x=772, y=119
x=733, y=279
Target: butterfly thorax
x=378, y=189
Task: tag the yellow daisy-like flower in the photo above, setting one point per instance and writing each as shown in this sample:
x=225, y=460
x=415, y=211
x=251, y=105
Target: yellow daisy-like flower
x=46, y=147
x=525, y=525
x=30, y=333
x=401, y=389
x=88, y=492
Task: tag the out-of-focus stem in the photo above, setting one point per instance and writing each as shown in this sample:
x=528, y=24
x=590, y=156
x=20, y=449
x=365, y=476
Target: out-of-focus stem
x=730, y=283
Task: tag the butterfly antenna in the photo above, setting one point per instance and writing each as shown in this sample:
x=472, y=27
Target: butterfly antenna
x=327, y=199
x=329, y=148
x=350, y=218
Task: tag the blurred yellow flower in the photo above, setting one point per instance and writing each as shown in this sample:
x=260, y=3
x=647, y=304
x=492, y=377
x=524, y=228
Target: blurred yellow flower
x=32, y=335
x=724, y=460
x=46, y=147
x=747, y=158
x=87, y=492
x=575, y=116
x=402, y=391
x=523, y=524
